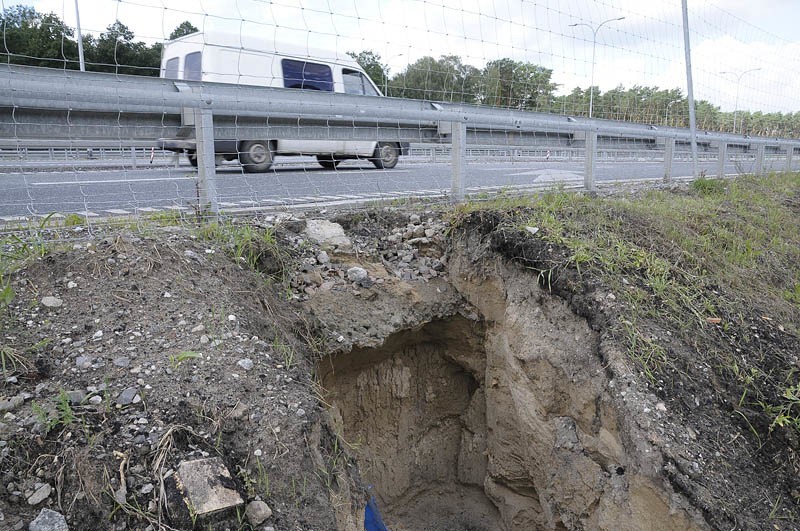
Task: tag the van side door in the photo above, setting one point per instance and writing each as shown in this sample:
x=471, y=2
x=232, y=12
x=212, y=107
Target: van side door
x=307, y=75
x=356, y=82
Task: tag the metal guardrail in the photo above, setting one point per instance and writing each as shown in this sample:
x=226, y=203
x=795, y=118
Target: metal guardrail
x=93, y=106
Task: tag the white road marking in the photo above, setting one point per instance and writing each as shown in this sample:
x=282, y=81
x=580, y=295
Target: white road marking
x=104, y=181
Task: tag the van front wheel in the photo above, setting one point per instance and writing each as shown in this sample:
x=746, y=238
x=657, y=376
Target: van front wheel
x=255, y=156
x=386, y=155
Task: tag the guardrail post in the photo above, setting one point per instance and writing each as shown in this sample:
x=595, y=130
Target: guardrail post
x=669, y=154
x=591, y=156
x=458, y=154
x=722, y=159
x=760, y=150
x=789, y=155
x=133, y=158
x=206, y=161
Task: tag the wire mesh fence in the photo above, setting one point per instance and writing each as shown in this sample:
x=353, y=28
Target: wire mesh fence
x=600, y=65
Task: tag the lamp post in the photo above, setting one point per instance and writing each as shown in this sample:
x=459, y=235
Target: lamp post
x=594, y=45
x=386, y=74
x=666, y=112
x=738, y=81
x=80, y=38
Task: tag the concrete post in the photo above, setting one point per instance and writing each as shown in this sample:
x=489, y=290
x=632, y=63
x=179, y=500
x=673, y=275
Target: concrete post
x=669, y=154
x=458, y=154
x=789, y=156
x=722, y=159
x=760, y=150
x=206, y=162
x=591, y=156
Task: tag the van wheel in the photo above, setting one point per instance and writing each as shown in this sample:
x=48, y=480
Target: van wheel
x=328, y=161
x=386, y=155
x=255, y=156
x=192, y=156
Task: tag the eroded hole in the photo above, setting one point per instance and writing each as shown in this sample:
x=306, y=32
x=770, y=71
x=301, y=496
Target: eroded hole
x=415, y=411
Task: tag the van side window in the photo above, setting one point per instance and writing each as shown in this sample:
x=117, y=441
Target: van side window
x=171, y=68
x=304, y=75
x=357, y=83
x=192, y=66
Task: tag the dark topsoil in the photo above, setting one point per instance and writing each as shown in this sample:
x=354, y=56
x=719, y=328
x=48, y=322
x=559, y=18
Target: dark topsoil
x=218, y=361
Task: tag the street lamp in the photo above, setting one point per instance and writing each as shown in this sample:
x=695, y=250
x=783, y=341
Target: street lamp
x=386, y=73
x=666, y=112
x=738, y=80
x=594, y=45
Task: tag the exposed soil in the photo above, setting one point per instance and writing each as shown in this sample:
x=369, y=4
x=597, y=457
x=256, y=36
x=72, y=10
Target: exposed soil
x=432, y=369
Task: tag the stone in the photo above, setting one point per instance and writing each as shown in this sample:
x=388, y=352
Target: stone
x=245, y=364
x=76, y=398
x=11, y=404
x=83, y=362
x=72, y=284
x=357, y=274
x=257, y=512
x=51, y=302
x=323, y=258
x=127, y=396
x=41, y=493
x=49, y=520
x=197, y=329
x=327, y=234
x=206, y=486
x=122, y=361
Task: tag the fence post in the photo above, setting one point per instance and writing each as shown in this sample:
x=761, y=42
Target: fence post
x=760, y=150
x=722, y=159
x=669, y=153
x=133, y=157
x=591, y=156
x=206, y=160
x=789, y=155
x=458, y=153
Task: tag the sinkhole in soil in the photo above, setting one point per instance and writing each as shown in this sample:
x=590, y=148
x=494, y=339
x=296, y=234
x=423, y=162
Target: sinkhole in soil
x=415, y=411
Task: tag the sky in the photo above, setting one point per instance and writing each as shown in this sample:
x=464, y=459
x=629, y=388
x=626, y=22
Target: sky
x=745, y=54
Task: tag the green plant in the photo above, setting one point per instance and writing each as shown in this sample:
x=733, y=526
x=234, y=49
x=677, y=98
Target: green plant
x=6, y=293
x=73, y=220
x=706, y=186
x=177, y=359
x=284, y=350
x=12, y=361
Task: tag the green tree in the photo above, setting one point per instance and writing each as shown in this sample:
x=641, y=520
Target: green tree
x=443, y=79
x=516, y=85
x=116, y=51
x=36, y=39
x=184, y=28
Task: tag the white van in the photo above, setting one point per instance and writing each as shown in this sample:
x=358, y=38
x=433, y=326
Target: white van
x=227, y=58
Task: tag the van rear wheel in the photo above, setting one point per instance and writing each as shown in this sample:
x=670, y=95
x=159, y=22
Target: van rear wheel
x=255, y=156
x=386, y=155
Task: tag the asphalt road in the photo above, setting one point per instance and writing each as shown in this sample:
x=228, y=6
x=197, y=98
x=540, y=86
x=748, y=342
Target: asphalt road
x=119, y=191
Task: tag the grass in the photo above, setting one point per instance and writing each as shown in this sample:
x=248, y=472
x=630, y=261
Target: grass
x=255, y=247
x=705, y=263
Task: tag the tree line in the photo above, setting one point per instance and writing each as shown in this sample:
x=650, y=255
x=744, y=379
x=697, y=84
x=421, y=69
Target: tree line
x=36, y=39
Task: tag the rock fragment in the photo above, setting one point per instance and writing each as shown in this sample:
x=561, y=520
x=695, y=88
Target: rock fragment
x=49, y=520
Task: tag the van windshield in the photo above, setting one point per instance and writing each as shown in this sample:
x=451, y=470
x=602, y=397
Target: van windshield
x=305, y=75
x=192, y=66
x=357, y=83
x=171, y=68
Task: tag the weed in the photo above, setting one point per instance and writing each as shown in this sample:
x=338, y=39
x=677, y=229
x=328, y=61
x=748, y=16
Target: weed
x=249, y=245
x=284, y=350
x=706, y=186
x=177, y=359
x=73, y=220
x=12, y=361
x=6, y=293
